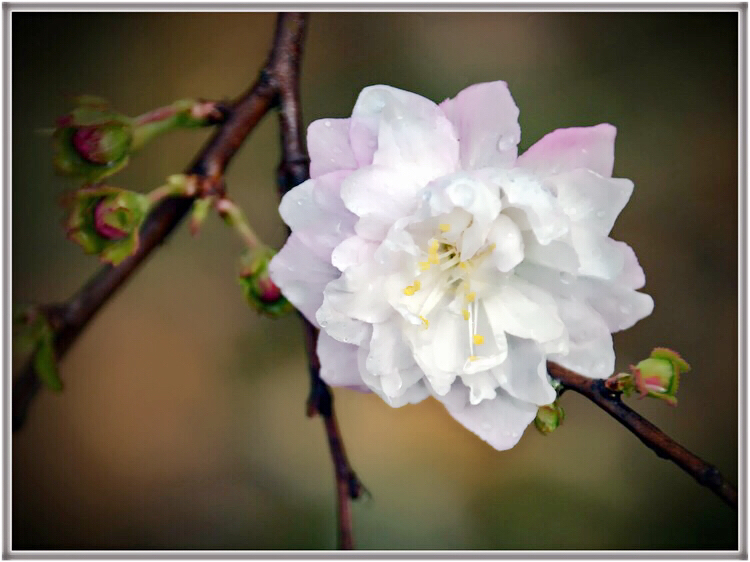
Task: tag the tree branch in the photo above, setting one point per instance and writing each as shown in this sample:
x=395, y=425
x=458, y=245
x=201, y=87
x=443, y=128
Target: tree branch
x=650, y=435
x=293, y=170
x=69, y=319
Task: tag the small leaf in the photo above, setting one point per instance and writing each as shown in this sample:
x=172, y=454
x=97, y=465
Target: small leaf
x=45, y=359
x=199, y=213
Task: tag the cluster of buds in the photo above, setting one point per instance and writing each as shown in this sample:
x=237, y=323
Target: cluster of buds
x=260, y=292
x=658, y=376
x=93, y=142
x=105, y=221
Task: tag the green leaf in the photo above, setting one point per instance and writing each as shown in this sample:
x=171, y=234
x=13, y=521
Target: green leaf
x=45, y=359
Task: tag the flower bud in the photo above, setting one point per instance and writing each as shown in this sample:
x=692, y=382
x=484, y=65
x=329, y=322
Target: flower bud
x=659, y=375
x=105, y=221
x=92, y=142
x=260, y=291
x=549, y=417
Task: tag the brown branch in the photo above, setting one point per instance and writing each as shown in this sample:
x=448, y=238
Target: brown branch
x=293, y=170
x=70, y=318
x=650, y=435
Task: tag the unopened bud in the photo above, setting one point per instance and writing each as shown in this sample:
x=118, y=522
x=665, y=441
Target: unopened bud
x=105, y=221
x=658, y=376
x=260, y=291
x=549, y=417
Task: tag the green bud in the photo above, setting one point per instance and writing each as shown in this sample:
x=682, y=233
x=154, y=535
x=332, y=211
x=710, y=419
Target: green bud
x=199, y=213
x=260, y=291
x=549, y=417
x=92, y=142
x=105, y=220
x=659, y=375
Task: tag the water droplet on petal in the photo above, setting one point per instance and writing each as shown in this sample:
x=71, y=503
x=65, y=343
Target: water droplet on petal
x=625, y=308
x=327, y=123
x=486, y=426
x=600, y=214
x=506, y=142
x=566, y=278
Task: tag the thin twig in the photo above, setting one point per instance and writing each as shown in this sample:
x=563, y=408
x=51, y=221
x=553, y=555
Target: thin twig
x=650, y=435
x=293, y=170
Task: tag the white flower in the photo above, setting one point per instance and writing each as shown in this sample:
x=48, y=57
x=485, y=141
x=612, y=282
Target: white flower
x=437, y=262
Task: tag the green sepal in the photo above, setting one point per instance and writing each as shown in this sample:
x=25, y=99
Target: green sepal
x=260, y=292
x=126, y=211
x=45, y=360
x=199, y=213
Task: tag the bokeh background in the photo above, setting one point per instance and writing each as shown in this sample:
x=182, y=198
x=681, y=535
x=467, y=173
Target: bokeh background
x=182, y=423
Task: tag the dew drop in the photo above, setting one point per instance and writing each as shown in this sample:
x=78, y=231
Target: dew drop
x=514, y=434
x=323, y=324
x=600, y=214
x=327, y=123
x=566, y=278
x=625, y=308
x=506, y=142
x=486, y=426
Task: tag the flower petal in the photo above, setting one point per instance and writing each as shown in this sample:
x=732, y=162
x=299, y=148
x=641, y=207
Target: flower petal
x=301, y=275
x=486, y=121
x=500, y=421
x=329, y=148
x=575, y=147
x=338, y=363
x=403, y=131
x=524, y=374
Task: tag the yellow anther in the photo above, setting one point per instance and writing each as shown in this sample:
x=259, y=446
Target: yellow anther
x=492, y=247
x=478, y=339
x=463, y=265
x=434, y=259
x=417, y=285
x=434, y=245
x=409, y=291
x=471, y=296
x=445, y=227
x=426, y=323
x=465, y=313
x=424, y=265
x=473, y=357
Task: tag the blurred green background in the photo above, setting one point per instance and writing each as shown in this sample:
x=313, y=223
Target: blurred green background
x=182, y=423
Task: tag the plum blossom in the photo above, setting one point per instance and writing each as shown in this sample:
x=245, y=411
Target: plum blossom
x=438, y=262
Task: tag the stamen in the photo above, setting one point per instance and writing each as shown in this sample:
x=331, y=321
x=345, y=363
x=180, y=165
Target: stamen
x=417, y=285
x=465, y=313
x=424, y=265
x=463, y=265
x=426, y=323
x=473, y=357
x=478, y=339
x=445, y=227
x=471, y=296
x=409, y=291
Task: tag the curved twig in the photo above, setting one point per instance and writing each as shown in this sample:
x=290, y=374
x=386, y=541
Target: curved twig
x=650, y=435
x=293, y=170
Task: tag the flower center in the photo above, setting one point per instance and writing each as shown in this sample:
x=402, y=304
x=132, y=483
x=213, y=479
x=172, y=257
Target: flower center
x=444, y=274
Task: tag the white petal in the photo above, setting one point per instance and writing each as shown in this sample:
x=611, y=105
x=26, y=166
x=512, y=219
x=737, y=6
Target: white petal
x=411, y=395
x=576, y=147
x=591, y=352
x=301, y=275
x=500, y=422
x=558, y=254
x=358, y=294
x=600, y=256
x=379, y=196
x=619, y=306
x=338, y=363
x=297, y=208
x=591, y=199
x=329, y=148
x=524, y=374
x=340, y=326
x=509, y=245
x=404, y=131
x=352, y=251
x=391, y=359
x=523, y=310
x=486, y=121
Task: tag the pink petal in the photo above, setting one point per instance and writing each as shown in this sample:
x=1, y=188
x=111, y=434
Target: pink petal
x=338, y=363
x=576, y=147
x=329, y=148
x=486, y=121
